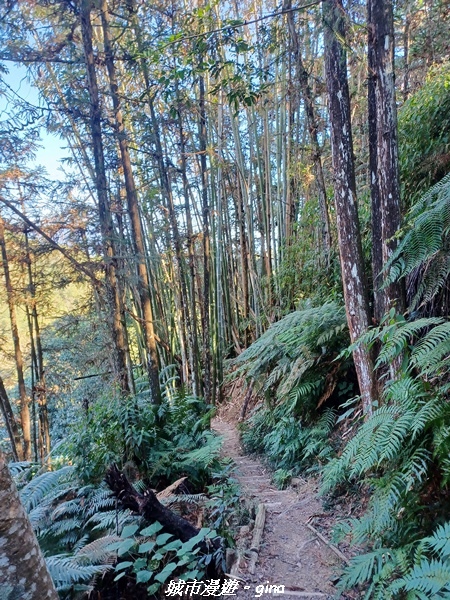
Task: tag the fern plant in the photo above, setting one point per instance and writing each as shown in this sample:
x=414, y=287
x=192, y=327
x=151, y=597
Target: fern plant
x=422, y=255
x=296, y=365
x=76, y=518
x=400, y=454
x=292, y=356
x=417, y=571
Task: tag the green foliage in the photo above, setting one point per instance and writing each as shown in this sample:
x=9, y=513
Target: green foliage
x=282, y=478
x=423, y=344
x=44, y=485
x=73, y=572
x=290, y=358
x=400, y=455
x=424, y=133
x=61, y=512
x=224, y=507
x=423, y=252
x=294, y=361
x=417, y=571
x=167, y=440
x=295, y=279
x=155, y=557
x=288, y=444
x=78, y=524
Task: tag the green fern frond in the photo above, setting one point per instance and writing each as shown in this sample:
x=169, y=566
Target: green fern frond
x=70, y=507
x=439, y=542
x=184, y=499
x=293, y=347
x=96, y=552
x=68, y=570
x=431, y=353
x=97, y=500
x=109, y=519
x=424, y=246
x=206, y=455
x=385, y=436
x=362, y=568
x=59, y=528
x=397, y=337
x=430, y=577
x=41, y=486
x=19, y=468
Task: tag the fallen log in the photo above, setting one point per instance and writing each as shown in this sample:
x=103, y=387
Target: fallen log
x=257, y=537
x=148, y=506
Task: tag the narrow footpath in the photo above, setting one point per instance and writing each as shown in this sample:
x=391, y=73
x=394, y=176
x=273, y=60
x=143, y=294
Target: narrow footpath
x=291, y=552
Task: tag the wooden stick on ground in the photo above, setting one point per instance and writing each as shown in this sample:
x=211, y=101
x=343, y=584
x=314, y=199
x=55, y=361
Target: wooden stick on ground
x=328, y=543
x=257, y=537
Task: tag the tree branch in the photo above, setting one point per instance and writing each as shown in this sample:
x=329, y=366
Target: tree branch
x=80, y=267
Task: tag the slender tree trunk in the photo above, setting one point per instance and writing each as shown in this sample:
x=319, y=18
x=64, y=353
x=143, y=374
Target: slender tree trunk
x=377, y=253
x=381, y=54
x=311, y=121
x=23, y=572
x=202, y=135
x=192, y=325
x=34, y=378
x=244, y=264
x=350, y=248
x=406, y=32
x=24, y=400
x=10, y=422
x=133, y=211
x=40, y=390
x=113, y=292
x=219, y=250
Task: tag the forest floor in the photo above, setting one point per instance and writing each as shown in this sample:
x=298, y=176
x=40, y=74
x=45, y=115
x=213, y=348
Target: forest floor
x=291, y=554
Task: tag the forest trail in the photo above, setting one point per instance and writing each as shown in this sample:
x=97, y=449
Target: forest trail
x=290, y=553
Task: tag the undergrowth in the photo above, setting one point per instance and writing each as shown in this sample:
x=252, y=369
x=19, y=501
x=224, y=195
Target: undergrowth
x=77, y=521
x=294, y=366
x=400, y=454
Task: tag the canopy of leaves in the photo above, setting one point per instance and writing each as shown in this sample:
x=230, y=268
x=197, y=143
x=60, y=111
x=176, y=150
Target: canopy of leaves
x=424, y=134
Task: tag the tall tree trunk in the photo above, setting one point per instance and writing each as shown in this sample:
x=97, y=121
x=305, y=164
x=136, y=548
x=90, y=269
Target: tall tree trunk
x=202, y=135
x=114, y=296
x=350, y=248
x=381, y=54
x=406, y=33
x=23, y=572
x=24, y=400
x=311, y=121
x=377, y=252
x=133, y=211
x=192, y=325
x=10, y=422
x=39, y=389
x=34, y=378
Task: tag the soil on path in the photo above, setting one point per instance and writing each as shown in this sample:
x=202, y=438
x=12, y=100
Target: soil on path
x=290, y=554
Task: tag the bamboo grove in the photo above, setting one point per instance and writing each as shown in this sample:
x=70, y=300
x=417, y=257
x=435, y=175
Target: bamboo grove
x=197, y=206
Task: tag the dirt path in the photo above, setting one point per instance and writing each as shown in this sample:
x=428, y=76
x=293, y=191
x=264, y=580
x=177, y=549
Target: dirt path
x=290, y=553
